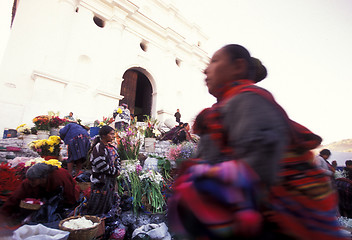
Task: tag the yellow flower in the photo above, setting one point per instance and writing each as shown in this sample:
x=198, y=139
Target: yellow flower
x=38, y=143
x=55, y=139
x=119, y=110
x=51, y=149
x=50, y=142
x=54, y=162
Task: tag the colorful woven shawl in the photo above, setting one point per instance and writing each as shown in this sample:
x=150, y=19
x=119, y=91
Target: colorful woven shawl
x=303, y=203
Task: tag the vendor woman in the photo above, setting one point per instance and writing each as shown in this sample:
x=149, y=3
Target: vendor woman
x=105, y=168
x=42, y=181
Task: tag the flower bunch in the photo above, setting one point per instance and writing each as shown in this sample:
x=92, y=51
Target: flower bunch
x=182, y=151
x=129, y=143
x=152, y=183
x=23, y=129
x=131, y=167
x=143, y=186
x=152, y=176
x=106, y=121
x=55, y=121
x=119, y=110
x=46, y=147
x=129, y=181
x=53, y=162
x=150, y=129
x=42, y=122
x=9, y=180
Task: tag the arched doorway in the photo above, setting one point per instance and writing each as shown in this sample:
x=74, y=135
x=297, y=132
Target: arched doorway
x=137, y=91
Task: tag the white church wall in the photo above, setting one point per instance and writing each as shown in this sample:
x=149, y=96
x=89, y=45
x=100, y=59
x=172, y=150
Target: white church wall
x=58, y=59
x=5, y=23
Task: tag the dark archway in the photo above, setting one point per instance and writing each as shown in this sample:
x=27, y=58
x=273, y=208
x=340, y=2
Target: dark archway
x=137, y=91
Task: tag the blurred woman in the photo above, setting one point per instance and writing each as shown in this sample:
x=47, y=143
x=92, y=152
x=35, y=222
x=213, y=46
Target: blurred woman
x=77, y=140
x=247, y=134
x=105, y=168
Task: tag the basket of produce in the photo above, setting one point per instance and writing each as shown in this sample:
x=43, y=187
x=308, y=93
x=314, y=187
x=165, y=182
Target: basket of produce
x=81, y=227
x=31, y=204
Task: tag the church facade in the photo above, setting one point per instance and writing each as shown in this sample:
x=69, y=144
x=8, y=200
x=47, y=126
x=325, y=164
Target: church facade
x=89, y=56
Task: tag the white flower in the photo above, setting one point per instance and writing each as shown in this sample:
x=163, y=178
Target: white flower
x=152, y=176
x=33, y=161
x=156, y=132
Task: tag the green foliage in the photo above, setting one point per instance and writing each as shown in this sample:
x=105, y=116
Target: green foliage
x=143, y=186
x=164, y=165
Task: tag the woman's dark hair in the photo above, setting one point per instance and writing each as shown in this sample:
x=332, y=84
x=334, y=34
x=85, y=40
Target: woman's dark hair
x=256, y=70
x=40, y=170
x=235, y=52
x=348, y=162
x=325, y=152
x=105, y=130
x=260, y=70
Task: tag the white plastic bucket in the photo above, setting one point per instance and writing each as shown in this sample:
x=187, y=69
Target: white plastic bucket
x=149, y=144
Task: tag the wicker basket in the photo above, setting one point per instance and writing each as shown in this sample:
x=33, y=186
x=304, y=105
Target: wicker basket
x=29, y=206
x=81, y=234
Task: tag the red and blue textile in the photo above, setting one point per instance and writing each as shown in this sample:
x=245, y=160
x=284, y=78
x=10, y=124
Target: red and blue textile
x=215, y=200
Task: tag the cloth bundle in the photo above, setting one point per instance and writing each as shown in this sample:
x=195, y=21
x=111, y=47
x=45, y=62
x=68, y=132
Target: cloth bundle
x=217, y=200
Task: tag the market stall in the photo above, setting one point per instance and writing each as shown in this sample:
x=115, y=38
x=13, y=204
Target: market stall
x=144, y=182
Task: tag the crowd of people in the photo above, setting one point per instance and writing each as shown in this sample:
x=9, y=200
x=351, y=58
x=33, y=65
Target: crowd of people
x=254, y=176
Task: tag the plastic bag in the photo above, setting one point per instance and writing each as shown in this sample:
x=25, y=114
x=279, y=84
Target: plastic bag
x=151, y=164
x=154, y=231
x=39, y=232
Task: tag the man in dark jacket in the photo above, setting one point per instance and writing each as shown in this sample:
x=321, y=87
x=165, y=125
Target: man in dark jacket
x=178, y=115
